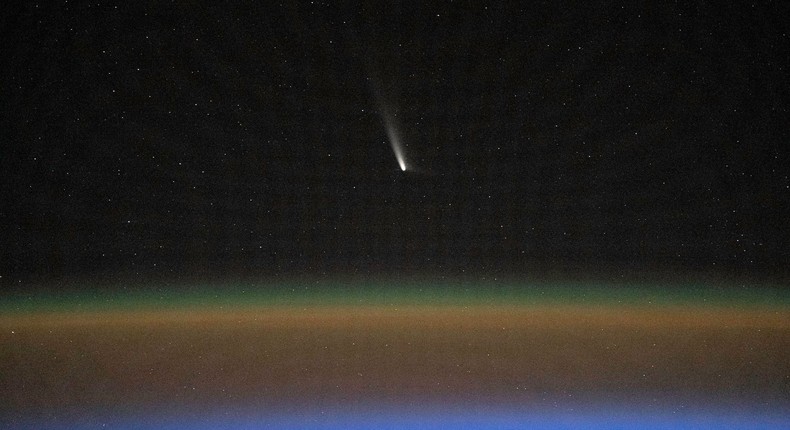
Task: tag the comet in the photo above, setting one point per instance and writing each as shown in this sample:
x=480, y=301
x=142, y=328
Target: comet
x=391, y=123
x=395, y=141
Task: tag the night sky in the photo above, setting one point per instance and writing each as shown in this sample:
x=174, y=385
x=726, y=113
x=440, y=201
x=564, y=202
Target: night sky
x=178, y=139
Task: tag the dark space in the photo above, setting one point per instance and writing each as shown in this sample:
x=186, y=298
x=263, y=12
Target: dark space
x=142, y=139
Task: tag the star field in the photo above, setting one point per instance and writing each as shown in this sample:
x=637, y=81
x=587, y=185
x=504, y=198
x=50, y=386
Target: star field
x=176, y=139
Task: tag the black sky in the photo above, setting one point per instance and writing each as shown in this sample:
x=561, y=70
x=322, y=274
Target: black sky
x=188, y=139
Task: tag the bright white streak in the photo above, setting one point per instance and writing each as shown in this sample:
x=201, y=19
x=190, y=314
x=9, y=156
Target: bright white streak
x=394, y=139
x=391, y=124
